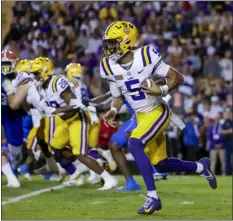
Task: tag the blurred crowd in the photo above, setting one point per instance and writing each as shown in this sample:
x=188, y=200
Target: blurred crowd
x=193, y=37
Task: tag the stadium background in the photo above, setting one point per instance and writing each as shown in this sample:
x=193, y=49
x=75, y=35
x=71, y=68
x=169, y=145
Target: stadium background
x=194, y=37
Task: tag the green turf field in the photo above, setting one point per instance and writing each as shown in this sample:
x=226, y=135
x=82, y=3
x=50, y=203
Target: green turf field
x=185, y=197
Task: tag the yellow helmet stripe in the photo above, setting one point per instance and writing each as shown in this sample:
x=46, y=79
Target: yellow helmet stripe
x=54, y=84
x=146, y=56
x=106, y=66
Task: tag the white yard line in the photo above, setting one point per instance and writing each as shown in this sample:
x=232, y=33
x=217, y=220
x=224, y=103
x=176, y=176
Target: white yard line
x=35, y=193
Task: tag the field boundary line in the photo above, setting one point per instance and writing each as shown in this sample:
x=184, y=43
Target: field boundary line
x=35, y=193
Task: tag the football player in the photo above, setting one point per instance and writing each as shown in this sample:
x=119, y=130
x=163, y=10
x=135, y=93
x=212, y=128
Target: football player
x=59, y=98
x=11, y=121
x=125, y=69
x=74, y=73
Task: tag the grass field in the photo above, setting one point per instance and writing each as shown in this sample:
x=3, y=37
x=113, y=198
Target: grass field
x=183, y=197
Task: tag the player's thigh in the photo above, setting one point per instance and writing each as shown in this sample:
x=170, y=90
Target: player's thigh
x=58, y=135
x=120, y=136
x=94, y=135
x=79, y=134
x=152, y=124
x=157, y=150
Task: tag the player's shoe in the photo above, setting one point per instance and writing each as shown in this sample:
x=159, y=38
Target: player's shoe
x=131, y=187
x=151, y=205
x=24, y=170
x=52, y=177
x=160, y=176
x=12, y=181
x=109, y=183
x=93, y=178
x=207, y=172
x=78, y=181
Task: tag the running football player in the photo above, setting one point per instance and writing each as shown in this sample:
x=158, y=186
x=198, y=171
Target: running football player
x=58, y=96
x=125, y=69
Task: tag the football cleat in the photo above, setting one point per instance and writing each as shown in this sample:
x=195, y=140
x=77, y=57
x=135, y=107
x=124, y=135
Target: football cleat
x=129, y=187
x=93, y=178
x=207, y=172
x=12, y=181
x=75, y=182
x=151, y=205
x=160, y=176
x=24, y=170
x=109, y=183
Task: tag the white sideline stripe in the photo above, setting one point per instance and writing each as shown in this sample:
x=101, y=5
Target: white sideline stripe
x=28, y=195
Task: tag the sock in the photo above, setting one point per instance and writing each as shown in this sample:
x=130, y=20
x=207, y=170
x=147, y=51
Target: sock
x=131, y=181
x=200, y=168
x=152, y=193
x=176, y=165
x=93, y=153
x=51, y=164
x=6, y=169
x=70, y=168
x=136, y=147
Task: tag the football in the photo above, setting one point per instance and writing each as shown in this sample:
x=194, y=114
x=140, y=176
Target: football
x=159, y=80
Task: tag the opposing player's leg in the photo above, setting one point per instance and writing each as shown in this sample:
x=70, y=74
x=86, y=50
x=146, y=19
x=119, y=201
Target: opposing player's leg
x=150, y=125
x=12, y=180
x=117, y=142
x=15, y=143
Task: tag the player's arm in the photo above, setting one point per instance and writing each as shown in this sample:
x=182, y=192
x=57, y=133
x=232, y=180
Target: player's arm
x=174, y=77
x=15, y=100
x=101, y=98
x=109, y=117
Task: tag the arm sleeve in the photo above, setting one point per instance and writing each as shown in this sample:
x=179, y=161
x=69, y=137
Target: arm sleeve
x=160, y=68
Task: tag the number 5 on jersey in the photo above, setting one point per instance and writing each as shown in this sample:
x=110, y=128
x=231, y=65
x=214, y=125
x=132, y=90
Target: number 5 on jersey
x=133, y=86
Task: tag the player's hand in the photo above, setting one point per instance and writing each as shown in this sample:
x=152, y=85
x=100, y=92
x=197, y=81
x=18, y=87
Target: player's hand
x=77, y=103
x=109, y=118
x=154, y=90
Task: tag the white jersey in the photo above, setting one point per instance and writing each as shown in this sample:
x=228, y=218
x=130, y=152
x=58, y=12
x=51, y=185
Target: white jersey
x=126, y=82
x=79, y=88
x=52, y=94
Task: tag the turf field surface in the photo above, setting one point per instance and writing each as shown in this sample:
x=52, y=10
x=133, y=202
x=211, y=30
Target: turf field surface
x=183, y=197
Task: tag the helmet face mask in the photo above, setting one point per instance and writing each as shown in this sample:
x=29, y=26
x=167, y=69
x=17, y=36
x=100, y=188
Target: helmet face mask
x=6, y=67
x=8, y=61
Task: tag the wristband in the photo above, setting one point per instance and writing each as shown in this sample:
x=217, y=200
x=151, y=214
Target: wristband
x=114, y=109
x=164, y=90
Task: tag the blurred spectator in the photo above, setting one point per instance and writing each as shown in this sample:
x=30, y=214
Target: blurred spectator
x=227, y=133
x=173, y=147
x=226, y=66
x=215, y=107
x=191, y=137
x=216, y=145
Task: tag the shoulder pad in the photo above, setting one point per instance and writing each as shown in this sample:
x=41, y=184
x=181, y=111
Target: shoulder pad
x=105, y=68
x=60, y=84
x=149, y=55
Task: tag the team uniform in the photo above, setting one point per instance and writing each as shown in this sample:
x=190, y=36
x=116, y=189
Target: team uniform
x=12, y=123
x=81, y=92
x=153, y=115
x=66, y=133
x=147, y=142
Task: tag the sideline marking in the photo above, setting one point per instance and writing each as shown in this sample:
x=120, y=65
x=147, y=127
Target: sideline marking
x=35, y=193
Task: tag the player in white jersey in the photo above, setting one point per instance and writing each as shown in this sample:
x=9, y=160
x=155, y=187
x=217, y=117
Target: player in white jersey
x=126, y=68
x=73, y=131
x=27, y=96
